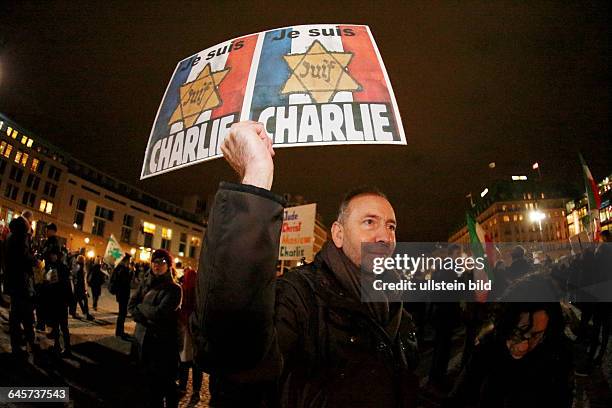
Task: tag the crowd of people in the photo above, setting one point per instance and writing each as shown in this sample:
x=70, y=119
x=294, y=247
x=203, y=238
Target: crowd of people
x=306, y=338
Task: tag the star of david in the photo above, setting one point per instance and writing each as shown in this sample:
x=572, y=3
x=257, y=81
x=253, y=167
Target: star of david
x=320, y=73
x=198, y=96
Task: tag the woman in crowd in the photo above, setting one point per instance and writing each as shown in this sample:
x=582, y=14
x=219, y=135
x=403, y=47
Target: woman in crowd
x=154, y=307
x=525, y=361
x=189, y=280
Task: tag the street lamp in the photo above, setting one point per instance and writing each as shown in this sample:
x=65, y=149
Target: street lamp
x=538, y=216
x=87, y=240
x=91, y=253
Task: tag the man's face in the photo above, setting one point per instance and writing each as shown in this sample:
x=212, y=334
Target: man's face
x=522, y=342
x=50, y=233
x=370, y=219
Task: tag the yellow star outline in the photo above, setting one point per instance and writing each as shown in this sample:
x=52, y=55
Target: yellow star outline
x=319, y=73
x=198, y=96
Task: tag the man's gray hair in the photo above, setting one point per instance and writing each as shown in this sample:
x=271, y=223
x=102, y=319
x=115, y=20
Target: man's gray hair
x=350, y=195
x=27, y=214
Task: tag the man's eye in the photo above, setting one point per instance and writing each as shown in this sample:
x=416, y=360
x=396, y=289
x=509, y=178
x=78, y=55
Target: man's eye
x=368, y=221
x=392, y=227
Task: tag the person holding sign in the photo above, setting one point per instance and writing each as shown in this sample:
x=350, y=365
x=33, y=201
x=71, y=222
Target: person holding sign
x=306, y=339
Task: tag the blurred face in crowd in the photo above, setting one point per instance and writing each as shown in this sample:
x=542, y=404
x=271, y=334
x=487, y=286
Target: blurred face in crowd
x=525, y=339
x=368, y=219
x=159, y=266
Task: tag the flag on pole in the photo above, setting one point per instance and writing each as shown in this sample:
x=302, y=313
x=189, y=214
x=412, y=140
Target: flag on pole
x=594, y=199
x=113, y=253
x=481, y=244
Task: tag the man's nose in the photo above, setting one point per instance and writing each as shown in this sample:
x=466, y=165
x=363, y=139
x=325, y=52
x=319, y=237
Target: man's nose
x=385, y=235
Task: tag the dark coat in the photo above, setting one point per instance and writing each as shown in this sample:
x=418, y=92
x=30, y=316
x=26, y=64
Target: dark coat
x=154, y=307
x=96, y=277
x=494, y=379
x=301, y=332
x=19, y=260
x=56, y=291
x=121, y=281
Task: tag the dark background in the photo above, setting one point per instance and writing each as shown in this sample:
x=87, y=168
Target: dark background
x=476, y=82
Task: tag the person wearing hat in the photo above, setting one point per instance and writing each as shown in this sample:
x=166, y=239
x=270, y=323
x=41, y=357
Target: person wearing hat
x=154, y=307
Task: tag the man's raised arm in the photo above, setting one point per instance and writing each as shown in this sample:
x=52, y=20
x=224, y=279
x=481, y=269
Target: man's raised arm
x=234, y=318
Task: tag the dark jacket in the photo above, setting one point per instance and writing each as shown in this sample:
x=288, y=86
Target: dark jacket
x=301, y=332
x=121, y=281
x=19, y=260
x=96, y=277
x=78, y=278
x=56, y=291
x=154, y=307
x=494, y=379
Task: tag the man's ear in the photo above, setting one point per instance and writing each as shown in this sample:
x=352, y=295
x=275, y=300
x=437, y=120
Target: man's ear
x=337, y=232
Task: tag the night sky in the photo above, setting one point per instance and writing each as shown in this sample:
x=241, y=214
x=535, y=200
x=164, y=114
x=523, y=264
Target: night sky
x=504, y=82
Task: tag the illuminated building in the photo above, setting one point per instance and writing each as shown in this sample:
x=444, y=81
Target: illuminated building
x=506, y=212
x=86, y=204
x=577, y=209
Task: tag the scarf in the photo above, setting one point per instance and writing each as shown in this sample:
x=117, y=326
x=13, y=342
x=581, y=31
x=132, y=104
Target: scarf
x=385, y=312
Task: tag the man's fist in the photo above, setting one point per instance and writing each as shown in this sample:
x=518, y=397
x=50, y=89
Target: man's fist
x=248, y=149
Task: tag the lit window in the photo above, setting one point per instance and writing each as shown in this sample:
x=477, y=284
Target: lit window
x=2, y=147
x=34, y=165
x=14, y=134
x=29, y=144
x=149, y=227
x=24, y=159
x=9, y=130
x=43, y=204
x=514, y=218
x=506, y=218
x=166, y=233
x=520, y=217
x=9, y=149
x=24, y=139
x=49, y=207
x=18, y=157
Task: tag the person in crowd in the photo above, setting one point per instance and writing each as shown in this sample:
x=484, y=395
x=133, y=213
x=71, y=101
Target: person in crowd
x=95, y=280
x=524, y=361
x=80, y=289
x=57, y=295
x=20, y=284
x=4, y=231
x=120, y=285
x=308, y=332
x=520, y=265
x=154, y=307
x=188, y=285
x=597, y=271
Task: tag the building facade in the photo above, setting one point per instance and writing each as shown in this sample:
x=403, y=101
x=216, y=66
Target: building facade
x=520, y=211
x=577, y=210
x=87, y=205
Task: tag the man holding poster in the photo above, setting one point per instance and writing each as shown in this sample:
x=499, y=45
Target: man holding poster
x=307, y=339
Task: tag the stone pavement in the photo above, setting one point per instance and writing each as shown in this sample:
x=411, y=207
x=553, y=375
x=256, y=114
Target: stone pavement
x=101, y=373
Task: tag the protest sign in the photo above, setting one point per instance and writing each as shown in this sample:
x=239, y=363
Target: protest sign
x=309, y=85
x=297, y=233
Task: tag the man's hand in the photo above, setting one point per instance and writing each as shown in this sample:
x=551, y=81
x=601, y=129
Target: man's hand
x=248, y=149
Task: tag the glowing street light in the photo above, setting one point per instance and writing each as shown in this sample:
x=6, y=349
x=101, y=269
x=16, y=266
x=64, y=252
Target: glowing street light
x=536, y=216
x=87, y=240
x=132, y=251
x=91, y=253
x=484, y=192
x=517, y=178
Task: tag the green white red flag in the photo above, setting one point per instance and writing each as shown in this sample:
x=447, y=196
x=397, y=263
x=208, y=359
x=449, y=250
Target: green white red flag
x=594, y=199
